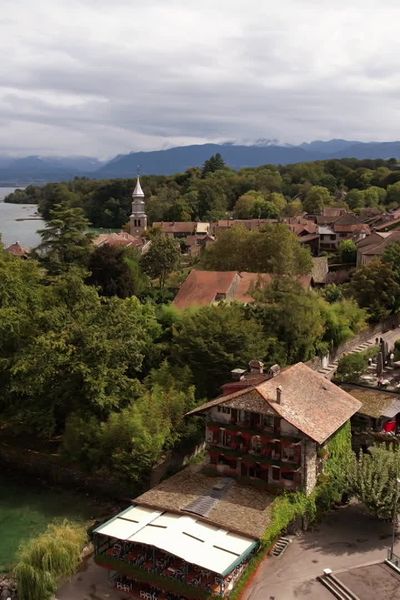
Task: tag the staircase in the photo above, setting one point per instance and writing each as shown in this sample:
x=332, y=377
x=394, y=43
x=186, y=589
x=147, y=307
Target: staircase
x=280, y=546
x=336, y=587
x=330, y=370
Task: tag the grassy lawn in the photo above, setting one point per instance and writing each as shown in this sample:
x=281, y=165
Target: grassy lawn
x=26, y=509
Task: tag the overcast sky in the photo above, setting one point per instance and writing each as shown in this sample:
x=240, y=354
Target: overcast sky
x=101, y=77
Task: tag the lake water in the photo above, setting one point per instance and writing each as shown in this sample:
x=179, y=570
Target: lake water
x=11, y=229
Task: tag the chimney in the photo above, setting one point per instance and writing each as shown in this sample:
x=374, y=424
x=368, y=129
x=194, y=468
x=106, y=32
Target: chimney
x=279, y=394
x=274, y=370
x=237, y=374
x=256, y=366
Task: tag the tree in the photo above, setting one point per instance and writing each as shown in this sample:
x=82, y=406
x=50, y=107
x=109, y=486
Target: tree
x=289, y=314
x=162, y=258
x=116, y=272
x=348, y=251
x=351, y=367
x=43, y=561
x=274, y=249
x=391, y=256
x=316, y=199
x=214, y=163
x=343, y=319
x=65, y=240
x=367, y=281
x=212, y=341
x=373, y=480
x=85, y=353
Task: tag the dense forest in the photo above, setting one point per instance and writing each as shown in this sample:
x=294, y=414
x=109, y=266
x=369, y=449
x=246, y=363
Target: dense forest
x=215, y=191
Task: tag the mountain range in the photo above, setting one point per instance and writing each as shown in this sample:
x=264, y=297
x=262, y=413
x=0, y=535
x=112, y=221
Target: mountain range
x=39, y=169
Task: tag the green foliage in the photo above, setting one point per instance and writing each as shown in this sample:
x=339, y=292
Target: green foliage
x=44, y=560
x=64, y=347
x=65, y=241
x=161, y=259
x=214, y=163
x=351, y=366
x=348, y=251
x=273, y=250
x=131, y=441
x=212, y=341
x=391, y=256
x=343, y=319
x=316, y=199
x=290, y=316
x=366, y=282
x=116, y=272
x=373, y=480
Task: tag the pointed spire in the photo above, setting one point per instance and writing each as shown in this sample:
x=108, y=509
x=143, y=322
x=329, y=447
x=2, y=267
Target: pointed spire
x=138, y=192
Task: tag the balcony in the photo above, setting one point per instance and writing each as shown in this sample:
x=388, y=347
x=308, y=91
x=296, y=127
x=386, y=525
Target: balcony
x=246, y=426
x=276, y=461
x=152, y=577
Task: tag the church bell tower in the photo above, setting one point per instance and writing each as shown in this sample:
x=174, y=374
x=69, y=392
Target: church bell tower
x=138, y=218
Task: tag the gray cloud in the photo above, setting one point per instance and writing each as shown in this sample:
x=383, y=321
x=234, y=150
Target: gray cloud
x=98, y=77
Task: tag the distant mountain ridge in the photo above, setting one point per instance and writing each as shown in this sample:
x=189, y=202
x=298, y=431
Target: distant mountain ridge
x=37, y=169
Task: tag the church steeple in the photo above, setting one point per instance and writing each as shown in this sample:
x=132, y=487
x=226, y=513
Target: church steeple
x=138, y=218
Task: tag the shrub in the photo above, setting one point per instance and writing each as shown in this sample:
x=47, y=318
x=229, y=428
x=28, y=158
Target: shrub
x=45, y=559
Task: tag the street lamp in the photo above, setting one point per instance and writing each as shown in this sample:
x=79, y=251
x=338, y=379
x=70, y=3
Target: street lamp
x=394, y=519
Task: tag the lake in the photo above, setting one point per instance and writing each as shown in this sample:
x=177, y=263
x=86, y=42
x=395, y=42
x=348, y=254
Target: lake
x=11, y=229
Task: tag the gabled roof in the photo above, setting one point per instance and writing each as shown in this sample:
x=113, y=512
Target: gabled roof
x=310, y=402
x=122, y=238
x=17, y=250
x=185, y=227
x=202, y=288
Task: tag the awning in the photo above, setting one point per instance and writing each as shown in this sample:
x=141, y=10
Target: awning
x=196, y=542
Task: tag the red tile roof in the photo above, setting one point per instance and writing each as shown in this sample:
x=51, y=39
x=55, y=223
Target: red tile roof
x=202, y=288
x=314, y=405
x=121, y=238
x=17, y=250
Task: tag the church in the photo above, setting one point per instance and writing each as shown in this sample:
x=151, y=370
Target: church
x=138, y=218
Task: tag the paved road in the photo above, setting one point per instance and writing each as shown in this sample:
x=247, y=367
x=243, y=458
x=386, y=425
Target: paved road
x=346, y=537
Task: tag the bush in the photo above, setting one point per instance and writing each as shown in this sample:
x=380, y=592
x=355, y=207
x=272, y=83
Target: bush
x=44, y=560
x=351, y=366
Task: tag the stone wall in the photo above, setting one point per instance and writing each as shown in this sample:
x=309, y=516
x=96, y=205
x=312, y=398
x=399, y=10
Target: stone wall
x=8, y=588
x=310, y=466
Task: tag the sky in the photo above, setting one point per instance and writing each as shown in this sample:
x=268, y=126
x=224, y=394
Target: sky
x=103, y=77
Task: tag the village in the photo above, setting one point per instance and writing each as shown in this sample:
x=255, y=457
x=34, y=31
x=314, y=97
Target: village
x=269, y=431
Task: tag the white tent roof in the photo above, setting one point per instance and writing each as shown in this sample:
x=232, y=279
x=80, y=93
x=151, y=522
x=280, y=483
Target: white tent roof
x=207, y=546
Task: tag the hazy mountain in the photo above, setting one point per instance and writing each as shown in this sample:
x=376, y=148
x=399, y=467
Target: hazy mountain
x=174, y=160
x=39, y=169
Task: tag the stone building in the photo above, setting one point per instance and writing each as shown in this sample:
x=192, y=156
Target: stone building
x=138, y=218
x=273, y=431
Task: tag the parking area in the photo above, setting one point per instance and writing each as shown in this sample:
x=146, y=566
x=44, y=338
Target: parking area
x=345, y=538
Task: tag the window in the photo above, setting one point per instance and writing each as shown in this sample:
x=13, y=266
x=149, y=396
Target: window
x=288, y=453
x=224, y=409
x=288, y=476
x=268, y=421
x=276, y=473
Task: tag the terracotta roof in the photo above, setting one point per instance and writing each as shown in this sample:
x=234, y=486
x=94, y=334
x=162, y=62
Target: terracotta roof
x=375, y=402
x=185, y=227
x=351, y=228
x=122, y=238
x=310, y=402
x=202, y=288
x=377, y=248
x=17, y=250
x=241, y=509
